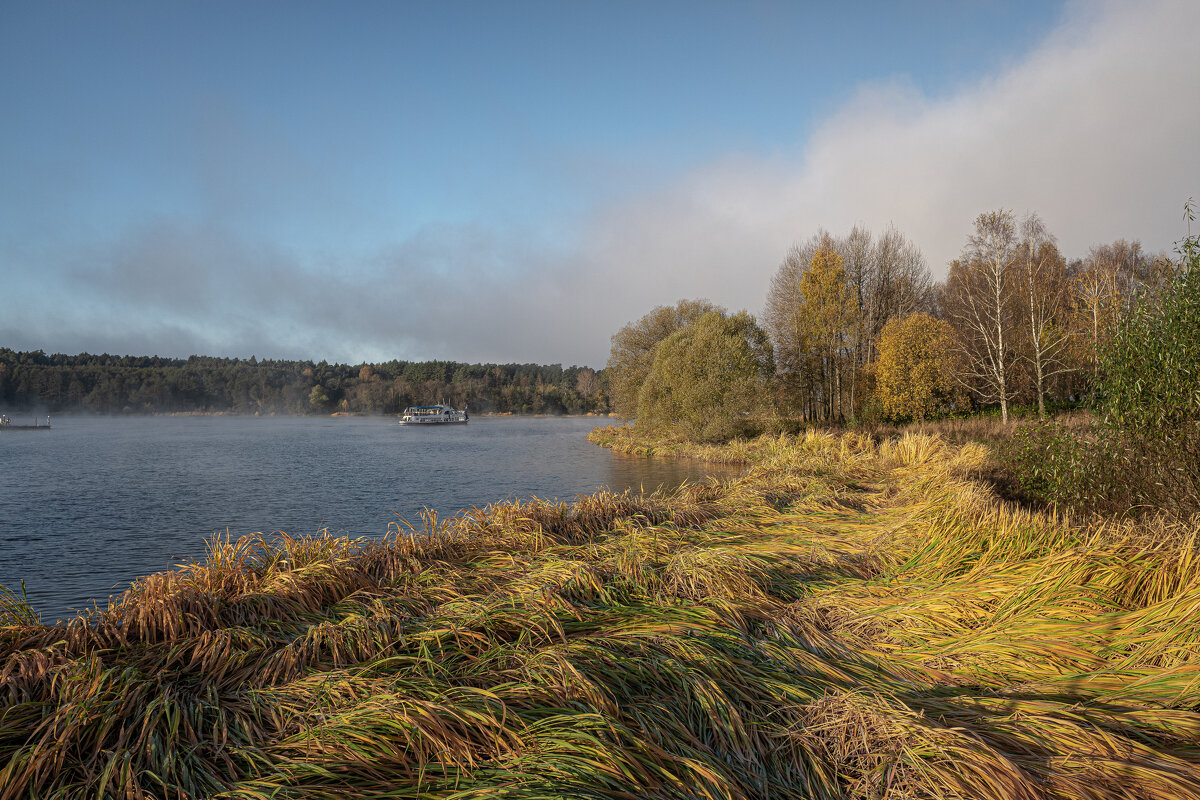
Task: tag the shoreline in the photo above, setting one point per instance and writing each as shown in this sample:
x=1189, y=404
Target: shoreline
x=301, y=416
x=335, y=414
x=847, y=611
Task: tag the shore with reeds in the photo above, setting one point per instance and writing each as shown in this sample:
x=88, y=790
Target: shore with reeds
x=848, y=619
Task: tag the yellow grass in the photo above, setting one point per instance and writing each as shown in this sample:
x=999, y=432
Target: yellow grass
x=850, y=618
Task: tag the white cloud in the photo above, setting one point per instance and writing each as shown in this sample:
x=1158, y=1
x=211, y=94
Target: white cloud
x=1096, y=130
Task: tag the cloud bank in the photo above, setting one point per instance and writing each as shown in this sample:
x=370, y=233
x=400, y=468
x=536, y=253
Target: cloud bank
x=1096, y=130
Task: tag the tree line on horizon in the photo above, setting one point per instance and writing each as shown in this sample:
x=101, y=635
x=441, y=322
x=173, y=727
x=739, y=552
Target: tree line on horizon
x=857, y=330
x=110, y=384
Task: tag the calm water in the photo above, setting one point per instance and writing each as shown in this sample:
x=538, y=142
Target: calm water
x=96, y=502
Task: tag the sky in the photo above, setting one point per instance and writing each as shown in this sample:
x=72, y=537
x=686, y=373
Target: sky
x=514, y=181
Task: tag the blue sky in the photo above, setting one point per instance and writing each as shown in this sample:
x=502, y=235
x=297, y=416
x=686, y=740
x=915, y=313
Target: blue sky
x=514, y=181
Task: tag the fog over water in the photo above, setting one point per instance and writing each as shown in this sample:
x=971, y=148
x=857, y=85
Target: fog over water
x=94, y=503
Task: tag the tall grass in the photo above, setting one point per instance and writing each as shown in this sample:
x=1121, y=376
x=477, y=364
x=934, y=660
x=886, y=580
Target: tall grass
x=850, y=618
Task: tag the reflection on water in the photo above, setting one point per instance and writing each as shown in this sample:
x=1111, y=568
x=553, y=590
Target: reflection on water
x=97, y=502
x=649, y=474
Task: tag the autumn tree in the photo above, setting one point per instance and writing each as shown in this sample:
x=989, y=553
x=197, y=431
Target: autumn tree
x=899, y=284
x=633, y=349
x=858, y=252
x=885, y=277
x=1107, y=282
x=829, y=311
x=783, y=319
x=1130, y=266
x=914, y=373
x=709, y=379
x=1044, y=305
x=811, y=313
x=318, y=398
x=587, y=383
x=980, y=299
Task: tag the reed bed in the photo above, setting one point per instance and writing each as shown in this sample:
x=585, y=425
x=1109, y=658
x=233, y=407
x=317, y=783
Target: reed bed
x=848, y=619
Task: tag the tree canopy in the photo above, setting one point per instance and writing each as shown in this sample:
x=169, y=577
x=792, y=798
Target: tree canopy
x=709, y=380
x=633, y=350
x=914, y=372
x=826, y=306
x=1152, y=363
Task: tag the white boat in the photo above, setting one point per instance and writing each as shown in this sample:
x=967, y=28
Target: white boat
x=440, y=414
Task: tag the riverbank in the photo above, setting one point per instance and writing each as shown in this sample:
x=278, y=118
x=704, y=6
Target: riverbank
x=849, y=618
x=335, y=414
x=633, y=441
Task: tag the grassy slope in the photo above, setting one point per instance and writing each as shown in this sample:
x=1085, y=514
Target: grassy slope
x=848, y=620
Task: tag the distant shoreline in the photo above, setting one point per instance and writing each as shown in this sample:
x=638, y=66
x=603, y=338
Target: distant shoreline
x=132, y=414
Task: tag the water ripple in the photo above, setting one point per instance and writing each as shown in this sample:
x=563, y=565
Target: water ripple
x=102, y=501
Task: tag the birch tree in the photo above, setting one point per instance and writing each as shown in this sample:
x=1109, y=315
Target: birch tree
x=1044, y=300
x=979, y=300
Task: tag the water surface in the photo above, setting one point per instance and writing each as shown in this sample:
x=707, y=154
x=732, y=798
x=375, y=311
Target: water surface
x=96, y=502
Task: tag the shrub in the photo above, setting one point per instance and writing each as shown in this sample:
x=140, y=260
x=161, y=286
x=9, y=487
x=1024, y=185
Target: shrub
x=914, y=372
x=710, y=380
x=1144, y=451
x=1151, y=388
x=1061, y=466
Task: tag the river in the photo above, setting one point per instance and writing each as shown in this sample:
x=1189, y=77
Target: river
x=95, y=502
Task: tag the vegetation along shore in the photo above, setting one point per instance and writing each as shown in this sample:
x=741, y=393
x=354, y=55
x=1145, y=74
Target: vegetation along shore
x=850, y=618
x=108, y=384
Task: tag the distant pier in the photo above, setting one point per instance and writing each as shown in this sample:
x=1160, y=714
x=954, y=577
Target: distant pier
x=7, y=424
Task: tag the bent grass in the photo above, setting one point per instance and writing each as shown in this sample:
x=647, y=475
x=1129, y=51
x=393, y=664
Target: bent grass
x=847, y=619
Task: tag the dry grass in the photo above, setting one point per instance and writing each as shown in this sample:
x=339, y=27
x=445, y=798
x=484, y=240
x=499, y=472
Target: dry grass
x=848, y=619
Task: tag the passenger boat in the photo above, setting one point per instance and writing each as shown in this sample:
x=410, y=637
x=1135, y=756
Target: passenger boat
x=440, y=414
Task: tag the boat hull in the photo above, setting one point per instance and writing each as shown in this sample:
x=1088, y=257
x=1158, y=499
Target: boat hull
x=440, y=414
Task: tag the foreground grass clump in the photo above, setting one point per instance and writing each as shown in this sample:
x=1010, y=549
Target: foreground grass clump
x=849, y=619
x=646, y=441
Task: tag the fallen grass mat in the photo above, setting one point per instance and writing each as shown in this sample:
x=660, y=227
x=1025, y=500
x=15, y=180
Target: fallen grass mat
x=848, y=619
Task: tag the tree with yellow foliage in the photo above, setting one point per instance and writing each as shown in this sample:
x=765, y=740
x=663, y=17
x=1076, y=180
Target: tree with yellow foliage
x=829, y=313
x=914, y=373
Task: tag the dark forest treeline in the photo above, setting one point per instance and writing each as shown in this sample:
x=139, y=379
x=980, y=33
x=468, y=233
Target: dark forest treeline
x=150, y=384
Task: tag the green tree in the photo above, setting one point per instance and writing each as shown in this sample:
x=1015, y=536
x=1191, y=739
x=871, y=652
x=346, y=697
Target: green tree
x=914, y=375
x=709, y=380
x=1144, y=451
x=1151, y=387
x=1152, y=365
x=633, y=349
x=318, y=398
